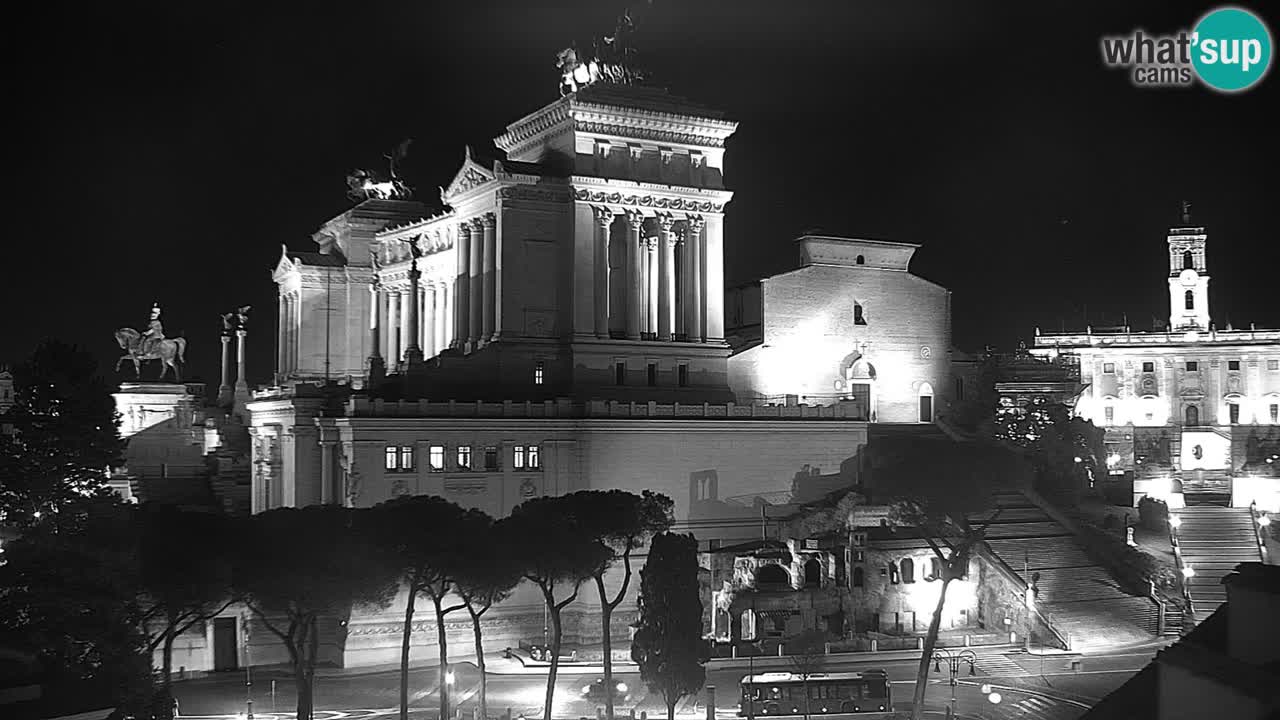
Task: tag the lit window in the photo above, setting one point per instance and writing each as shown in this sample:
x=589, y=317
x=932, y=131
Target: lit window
x=1193, y=366
x=406, y=457
x=518, y=461
x=1109, y=368
x=1233, y=364
x=682, y=375
x=858, y=318
x=464, y=457
x=392, y=458
x=491, y=458
x=534, y=457
x=538, y=369
x=652, y=374
x=437, y=458
x=1148, y=367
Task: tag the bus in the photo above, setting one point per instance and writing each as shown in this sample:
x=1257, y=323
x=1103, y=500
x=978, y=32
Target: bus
x=782, y=693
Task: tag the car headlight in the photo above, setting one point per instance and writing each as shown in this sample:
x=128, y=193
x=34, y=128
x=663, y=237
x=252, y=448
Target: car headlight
x=622, y=687
x=586, y=689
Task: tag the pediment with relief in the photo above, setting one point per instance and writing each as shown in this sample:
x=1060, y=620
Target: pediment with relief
x=470, y=176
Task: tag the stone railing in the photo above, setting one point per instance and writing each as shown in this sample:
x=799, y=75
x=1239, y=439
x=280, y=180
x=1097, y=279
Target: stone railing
x=566, y=409
x=1157, y=338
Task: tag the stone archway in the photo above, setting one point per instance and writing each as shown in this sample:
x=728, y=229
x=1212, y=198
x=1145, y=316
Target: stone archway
x=859, y=382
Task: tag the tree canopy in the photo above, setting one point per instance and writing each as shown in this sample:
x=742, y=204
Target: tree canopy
x=668, y=644
x=65, y=437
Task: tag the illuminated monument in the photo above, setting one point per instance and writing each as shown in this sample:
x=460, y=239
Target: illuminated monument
x=1193, y=410
x=559, y=325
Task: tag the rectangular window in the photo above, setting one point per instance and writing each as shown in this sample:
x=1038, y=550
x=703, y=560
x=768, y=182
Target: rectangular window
x=491, y=458
x=652, y=374
x=1110, y=414
x=619, y=373
x=1193, y=366
x=1109, y=368
x=1233, y=364
x=517, y=461
x=682, y=375
x=1148, y=367
x=464, y=457
x=392, y=458
x=437, y=458
x=538, y=369
x=534, y=457
x=1233, y=411
x=1273, y=364
x=406, y=458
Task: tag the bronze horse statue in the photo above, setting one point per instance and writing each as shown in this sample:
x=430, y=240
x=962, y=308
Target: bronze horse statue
x=166, y=351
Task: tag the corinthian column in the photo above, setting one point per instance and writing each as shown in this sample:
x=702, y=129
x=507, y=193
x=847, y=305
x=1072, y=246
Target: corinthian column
x=475, y=303
x=694, y=315
x=430, y=345
x=634, y=222
x=224, y=389
x=406, y=328
x=666, y=277
x=282, y=341
x=462, y=287
x=412, y=350
x=651, y=274
x=377, y=370
x=604, y=219
x=489, y=223
x=393, y=328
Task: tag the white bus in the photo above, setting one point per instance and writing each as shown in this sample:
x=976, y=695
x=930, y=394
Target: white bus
x=781, y=693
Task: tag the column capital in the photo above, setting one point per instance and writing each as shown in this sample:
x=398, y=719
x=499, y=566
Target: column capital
x=477, y=225
x=488, y=221
x=635, y=218
x=650, y=242
x=695, y=223
x=604, y=216
x=464, y=228
x=666, y=221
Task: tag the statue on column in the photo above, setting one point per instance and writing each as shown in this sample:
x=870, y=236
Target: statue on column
x=242, y=317
x=151, y=344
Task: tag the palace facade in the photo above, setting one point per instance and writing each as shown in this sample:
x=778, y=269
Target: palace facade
x=1191, y=411
x=561, y=326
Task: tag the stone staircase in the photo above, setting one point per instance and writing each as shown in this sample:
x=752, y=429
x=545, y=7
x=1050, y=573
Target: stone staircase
x=1079, y=596
x=1213, y=540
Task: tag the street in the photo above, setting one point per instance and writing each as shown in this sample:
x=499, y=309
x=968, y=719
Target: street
x=1030, y=687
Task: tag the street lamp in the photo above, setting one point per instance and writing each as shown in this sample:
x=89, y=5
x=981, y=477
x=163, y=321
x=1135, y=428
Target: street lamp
x=953, y=661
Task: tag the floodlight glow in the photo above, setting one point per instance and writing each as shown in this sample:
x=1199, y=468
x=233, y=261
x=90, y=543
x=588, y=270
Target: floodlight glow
x=994, y=698
x=449, y=678
x=1263, y=520
x=1188, y=572
x=622, y=687
x=1175, y=521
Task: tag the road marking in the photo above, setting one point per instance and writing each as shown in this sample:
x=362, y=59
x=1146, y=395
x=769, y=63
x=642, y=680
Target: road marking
x=999, y=666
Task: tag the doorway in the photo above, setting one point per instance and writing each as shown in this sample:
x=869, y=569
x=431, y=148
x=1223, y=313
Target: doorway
x=224, y=644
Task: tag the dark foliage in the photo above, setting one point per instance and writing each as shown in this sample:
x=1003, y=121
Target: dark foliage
x=668, y=644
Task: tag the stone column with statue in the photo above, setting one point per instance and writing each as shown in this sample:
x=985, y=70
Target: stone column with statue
x=242, y=384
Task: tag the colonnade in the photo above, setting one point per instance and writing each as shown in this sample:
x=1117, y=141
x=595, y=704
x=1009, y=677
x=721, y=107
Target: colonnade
x=290, y=308
x=391, y=319
x=666, y=278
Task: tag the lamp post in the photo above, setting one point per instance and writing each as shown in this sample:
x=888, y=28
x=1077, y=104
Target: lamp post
x=953, y=661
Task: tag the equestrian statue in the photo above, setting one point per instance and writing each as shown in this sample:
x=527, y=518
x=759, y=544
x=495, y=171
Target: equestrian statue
x=151, y=344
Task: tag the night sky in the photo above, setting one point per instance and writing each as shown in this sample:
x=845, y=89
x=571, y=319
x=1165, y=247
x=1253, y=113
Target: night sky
x=166, y=150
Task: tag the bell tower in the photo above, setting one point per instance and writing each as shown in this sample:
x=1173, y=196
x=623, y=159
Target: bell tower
x=1188, y=275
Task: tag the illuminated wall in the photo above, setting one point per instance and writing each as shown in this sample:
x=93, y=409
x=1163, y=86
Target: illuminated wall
x=850, y=316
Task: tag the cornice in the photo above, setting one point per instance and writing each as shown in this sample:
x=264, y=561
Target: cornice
x=533, y=125
x=641, y=200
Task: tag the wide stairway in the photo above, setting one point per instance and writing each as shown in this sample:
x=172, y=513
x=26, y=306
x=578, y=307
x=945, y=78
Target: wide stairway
x=1213, y=540
x=1078, y=596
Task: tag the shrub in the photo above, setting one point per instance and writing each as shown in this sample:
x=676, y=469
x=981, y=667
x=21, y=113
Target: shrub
x=1154, y=514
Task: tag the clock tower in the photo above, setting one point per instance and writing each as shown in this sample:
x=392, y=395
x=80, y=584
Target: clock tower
x=1188, y=276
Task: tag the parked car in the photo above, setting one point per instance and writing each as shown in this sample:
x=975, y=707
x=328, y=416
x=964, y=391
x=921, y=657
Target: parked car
x=596, y=691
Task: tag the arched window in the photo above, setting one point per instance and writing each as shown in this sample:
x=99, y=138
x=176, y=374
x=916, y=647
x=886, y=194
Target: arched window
x=859, y=577
x=1193, y=416
x=860, y=260
x=908, y=570
x=858, y=319
x=1188, y=261
x=813, y=573
x=1190, y=299
x=772, y=575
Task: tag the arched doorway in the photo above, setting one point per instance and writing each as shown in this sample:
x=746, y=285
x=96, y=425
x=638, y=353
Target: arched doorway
x=813, y=573
x=1192, y=416
x=925, y=396
x=860, y=380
